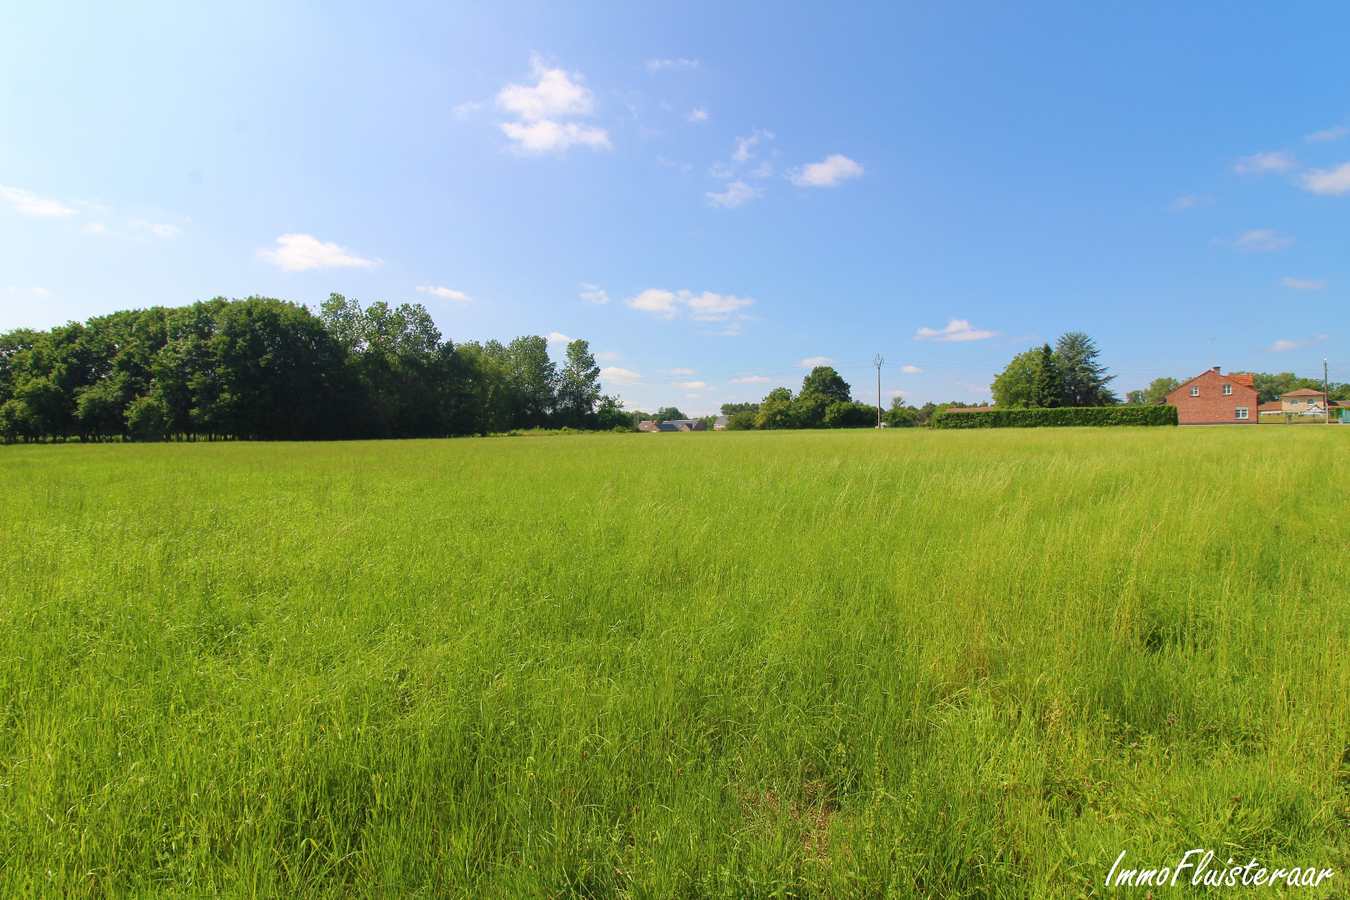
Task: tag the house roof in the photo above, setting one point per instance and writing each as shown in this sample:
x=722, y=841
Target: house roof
x=1243, y=380
x=1303, y=392
x=722, y=420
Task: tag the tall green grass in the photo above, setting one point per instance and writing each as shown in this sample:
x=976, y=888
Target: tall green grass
x=827, y=664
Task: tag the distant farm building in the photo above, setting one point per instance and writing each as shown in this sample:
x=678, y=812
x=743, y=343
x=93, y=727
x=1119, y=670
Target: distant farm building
x=1304, y=402
x=1212, y=398
x=673, y=425
x=721, y=423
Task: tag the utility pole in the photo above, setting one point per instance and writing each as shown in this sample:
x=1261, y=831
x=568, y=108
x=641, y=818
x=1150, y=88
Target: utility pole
x=1326, y=391
x=878, y=361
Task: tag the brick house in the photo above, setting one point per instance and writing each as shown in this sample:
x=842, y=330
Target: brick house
x=1211, y=398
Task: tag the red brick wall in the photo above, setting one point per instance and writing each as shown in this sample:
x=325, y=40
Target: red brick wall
x=1212, y=407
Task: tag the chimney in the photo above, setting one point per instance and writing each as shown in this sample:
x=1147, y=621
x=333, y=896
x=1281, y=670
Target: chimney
x=1216, y=370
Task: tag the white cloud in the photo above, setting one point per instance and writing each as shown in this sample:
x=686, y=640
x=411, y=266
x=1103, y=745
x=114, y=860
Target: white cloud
x=1281, y=346
x=1277, y=161
x=697, y=115
x=1328, y=181
x=94, y=227
x=464, y=109
x=814, y=361
x=1304, y=284
x=557, y=337
x=655, y=300
x=732, y=330
x=721, y=170
x=443, y=292
x=829, y=173
x=956, y=330
x=1263, y=239
x=621, y=377
x=554, y=96
x=736, y=193
x=705, y=307
x=763, y=170
x=910, y=369
x=1190, y=201
x=546, y=135
x=302, y=251
x=606, y=356
x=752, y=379
x=710, y=307
x=690, y=385
x=31, y=204
x=1329, y=135
x=592, y=293
x=656, y=65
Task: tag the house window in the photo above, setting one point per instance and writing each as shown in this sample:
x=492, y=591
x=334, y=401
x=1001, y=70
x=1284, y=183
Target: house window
x=1240, y=412
x=1293, y=403
x=1227, y=389
x=1195, y=392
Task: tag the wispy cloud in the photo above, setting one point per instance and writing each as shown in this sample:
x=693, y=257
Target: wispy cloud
x=592, y=294
x=829, y=173
x=31, y=204
x=1262, y=239
x=1328, y=181
x=656, y=65
x=910, y=370
x=621, y=377
x=678, y=372
x=1304, y=284
x=705, y=307
x=540, y=106
x=1330, y=134
x=736, y=193
x=1276, y=161
x=606, y=356
x=977, y=388
x=557, y=337
x=812, y=361
x=1190, y=201
x=697, y=115
x=752, y=379
x=156, y=228
x=30, y=292
x=745, y=145
x=1281, y=346
x=444, y=293
x=302, y=251
x=956, y=330
x=690, y=385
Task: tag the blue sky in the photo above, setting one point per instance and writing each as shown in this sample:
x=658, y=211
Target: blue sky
x=714, y=195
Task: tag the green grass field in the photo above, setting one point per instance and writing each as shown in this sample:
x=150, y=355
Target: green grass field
x=821, y=664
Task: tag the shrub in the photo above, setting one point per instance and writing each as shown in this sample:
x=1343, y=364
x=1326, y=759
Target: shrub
x=1098, y=416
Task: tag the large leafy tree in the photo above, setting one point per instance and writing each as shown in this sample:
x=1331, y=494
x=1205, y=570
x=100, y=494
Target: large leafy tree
x=775, y=410
x=826, y=382
x=578, y=387
x=1030, y=381
x=1083, y=380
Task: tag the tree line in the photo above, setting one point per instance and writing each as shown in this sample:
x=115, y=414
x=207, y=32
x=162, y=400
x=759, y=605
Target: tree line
x=267, y=369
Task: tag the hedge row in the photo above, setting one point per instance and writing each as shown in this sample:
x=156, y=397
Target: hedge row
x=1098, y=416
